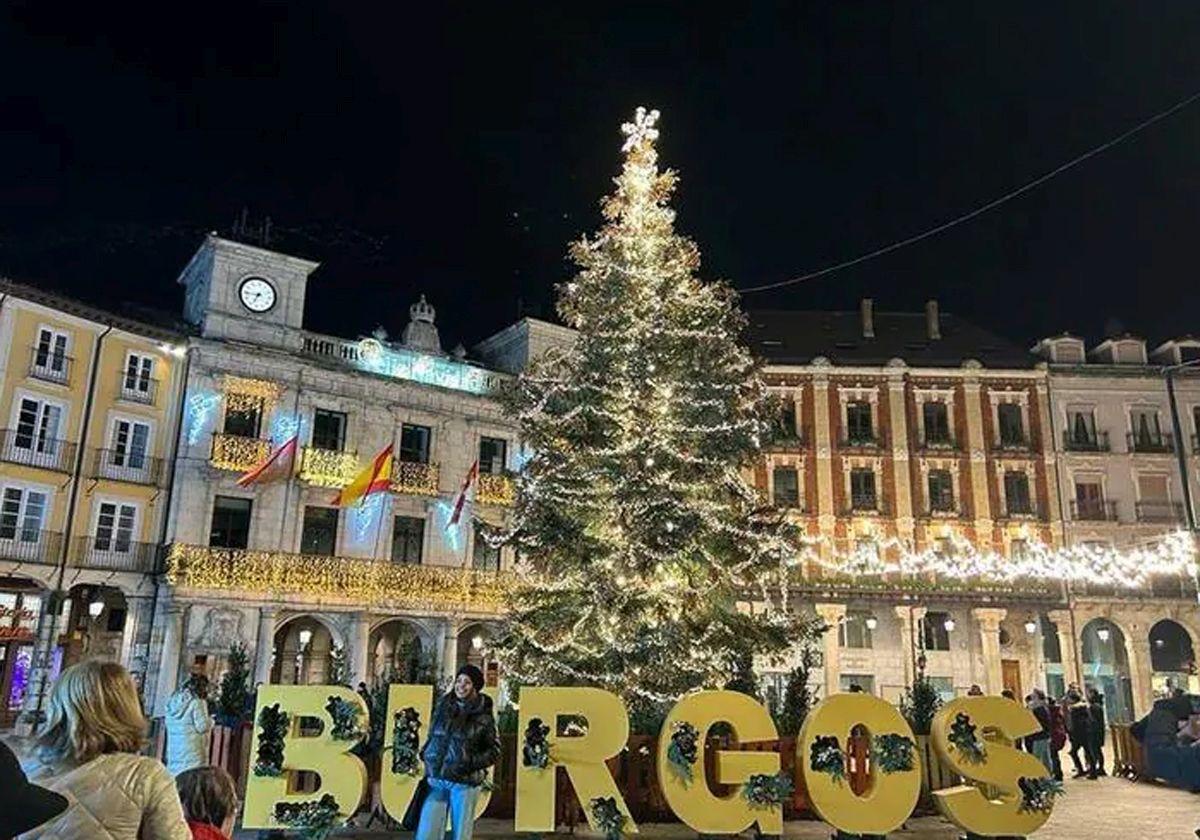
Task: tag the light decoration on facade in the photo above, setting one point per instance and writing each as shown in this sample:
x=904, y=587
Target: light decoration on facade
x=403, y=363
x=1130, y=568
x=452, y=535
x=200, y=407
x=238, y=454
x=495, y=489
x=284, y=427
x=258, y=389
x=327, y=467
x=415, y=478
x=366, y=517
x=375, y=582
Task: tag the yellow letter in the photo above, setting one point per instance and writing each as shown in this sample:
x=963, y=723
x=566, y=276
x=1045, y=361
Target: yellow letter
x=396, y=789
x=692, y=801
x=582, y=756
x=342, y=774
x=890, y=797
x=966, y=806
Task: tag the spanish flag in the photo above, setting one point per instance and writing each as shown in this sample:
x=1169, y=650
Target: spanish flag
x=278, y=464
x=376, y=478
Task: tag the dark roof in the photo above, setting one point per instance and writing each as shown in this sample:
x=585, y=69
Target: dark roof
x=790, y=337
x=141, y=320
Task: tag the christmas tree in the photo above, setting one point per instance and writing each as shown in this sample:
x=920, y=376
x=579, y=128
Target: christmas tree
x=232, y=699
x=638, y=533
x=798, y=695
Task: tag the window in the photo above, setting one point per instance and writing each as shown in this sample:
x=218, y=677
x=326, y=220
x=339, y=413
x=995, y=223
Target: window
x=139, y=371
x=944, y=687
x=1089, y=500
x=937, y=423
x=243, y=415
x=329, y=430
x=230, y=522
x=866, y=682
x=1081, y=427
x=1196, y=423
x=408, y=536
x=933, y=629
x=1012, y=425
x=941, y=490
x=493, y=455
x=414, y=444
x=319, y=534
x=37, y=426
x=787, y=419
x=854, y=633
x=484, y=556
x=50, y=354
x=858, y=423
x=1016, y=493
x=1018, y=549
x=785, y=483
x=130, y=443
x=862, y=489
x=1146, y=431
x=114, y=527
x=22, y=514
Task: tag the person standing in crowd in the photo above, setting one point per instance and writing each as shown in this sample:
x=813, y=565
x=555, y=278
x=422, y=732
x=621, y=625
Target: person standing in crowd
x=188, y=723
x=462, y=745
x=23, y=806
x=1038, y=744
x=1096, y=707
x=1079, y=728
x=89, y=753
x=209, y=799
x=1058, y=738
x=974, y=690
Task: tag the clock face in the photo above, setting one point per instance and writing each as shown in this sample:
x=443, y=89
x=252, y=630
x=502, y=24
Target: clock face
x=256, y=294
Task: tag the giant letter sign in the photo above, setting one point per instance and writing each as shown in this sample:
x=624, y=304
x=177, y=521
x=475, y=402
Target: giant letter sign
x=692, y=801
x=582, y=756
x=891, y=797
x=966, y=806
x=342, y=774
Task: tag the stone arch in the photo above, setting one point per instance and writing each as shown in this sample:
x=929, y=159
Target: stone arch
x=1172, y=656
x=1108, y=665
x=472, y=649
x=302, y=649
x=401, y=647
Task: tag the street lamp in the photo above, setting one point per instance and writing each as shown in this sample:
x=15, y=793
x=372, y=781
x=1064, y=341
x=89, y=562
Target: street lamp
x=1102, y=634
x=872, y=622
x=949, y=624
x=1031, y=627
x=95, y=607
x=477, y=642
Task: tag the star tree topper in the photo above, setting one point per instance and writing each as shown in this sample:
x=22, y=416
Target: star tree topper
x=641, y=130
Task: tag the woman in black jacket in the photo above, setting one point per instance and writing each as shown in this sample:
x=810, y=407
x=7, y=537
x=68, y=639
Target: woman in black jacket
x=462, y=745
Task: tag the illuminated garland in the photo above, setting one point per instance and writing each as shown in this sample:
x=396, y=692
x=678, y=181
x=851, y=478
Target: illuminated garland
x=328, y=468
x=395, y=585
x=495, y=490
x=415, y=478
x=238, y=454
x=259, y=389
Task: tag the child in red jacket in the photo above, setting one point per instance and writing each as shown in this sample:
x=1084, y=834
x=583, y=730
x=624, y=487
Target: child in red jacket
x=210, y=802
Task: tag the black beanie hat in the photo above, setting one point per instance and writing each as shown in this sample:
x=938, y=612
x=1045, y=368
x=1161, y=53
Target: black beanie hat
x=474, y=674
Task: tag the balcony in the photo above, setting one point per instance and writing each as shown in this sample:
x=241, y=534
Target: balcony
x=383, y=584
x=496, y=489
x=237, y=453
x=137, y=390
x=1154, y=442
x=131, y=467
x=24, y=447
x=864, y=504
x=942, y=510
x=48, y=366
x=1168, y=512
x=1096, y=442
x=415, y=478
x=1093, y=510
x=328, y=467
x=861, y=441
x=113, y=554
x=1011, y=443
x=936, y=442
x=23, y=545
x=1019, y=511
x=786, y=442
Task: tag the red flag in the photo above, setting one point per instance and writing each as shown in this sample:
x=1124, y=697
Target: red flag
x=273, y=466
x=472, y=474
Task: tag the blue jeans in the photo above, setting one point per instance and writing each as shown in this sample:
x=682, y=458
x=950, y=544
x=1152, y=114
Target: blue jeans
x=453, y=797
x=1041, y=751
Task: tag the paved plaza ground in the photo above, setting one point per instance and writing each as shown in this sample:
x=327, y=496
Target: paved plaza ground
x=1106, y=808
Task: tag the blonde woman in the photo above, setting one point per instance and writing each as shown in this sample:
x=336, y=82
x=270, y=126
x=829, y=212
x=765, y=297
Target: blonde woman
x=88, y=752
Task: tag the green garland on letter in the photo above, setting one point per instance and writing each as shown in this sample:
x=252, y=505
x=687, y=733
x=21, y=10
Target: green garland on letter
x=962, y=737
x=892, y=752
x=406, y=742
x=272, y=729
x=314, y=819
x=1039, y=794
x=767, y=791
x=826, y=756
x=608, y=817
x=683, y=752
x=346, y=725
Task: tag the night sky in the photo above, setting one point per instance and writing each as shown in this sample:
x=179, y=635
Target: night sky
x=455, y=151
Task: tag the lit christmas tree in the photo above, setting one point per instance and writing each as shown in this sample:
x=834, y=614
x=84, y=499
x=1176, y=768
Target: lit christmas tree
x=638, y=532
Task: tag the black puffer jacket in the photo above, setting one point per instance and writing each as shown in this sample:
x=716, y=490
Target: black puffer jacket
x=462, y=740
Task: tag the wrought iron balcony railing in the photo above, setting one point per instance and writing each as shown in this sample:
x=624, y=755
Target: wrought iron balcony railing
x=237, y=453
x=937, y=441
x=29, y=545
x=19, y=446
x=861, y=440
x=1159, y=511
x=49, y=366
x=1094, y=510
x=137, y=389
x=1158, y=442
x=1012, y=443
x=112, y=552
x=865, y=503
x=1095, y=442
x=415, y=478
x=132, y=467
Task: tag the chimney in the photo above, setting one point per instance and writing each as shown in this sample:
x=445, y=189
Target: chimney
x=933, y=326
x=868, y=318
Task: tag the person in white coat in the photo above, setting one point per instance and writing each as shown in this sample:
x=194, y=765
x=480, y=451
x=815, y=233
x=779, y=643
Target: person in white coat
x=188, y=723
x=88, y=752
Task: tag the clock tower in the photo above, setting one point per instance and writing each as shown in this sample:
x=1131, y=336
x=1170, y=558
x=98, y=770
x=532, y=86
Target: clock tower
x=246, y=293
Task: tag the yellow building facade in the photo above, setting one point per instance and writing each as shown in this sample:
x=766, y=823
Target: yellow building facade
x=89, y=418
